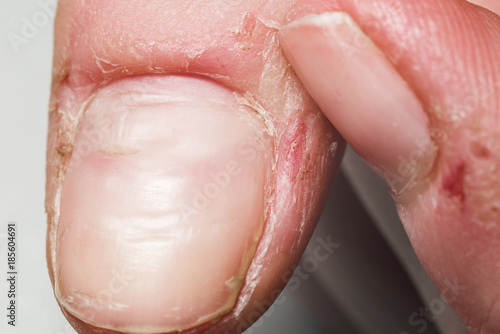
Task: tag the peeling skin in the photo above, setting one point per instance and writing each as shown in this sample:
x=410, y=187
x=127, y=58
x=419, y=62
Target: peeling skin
x=468, y=172
x=235, y=45
x=119, y=150
x=80, y=297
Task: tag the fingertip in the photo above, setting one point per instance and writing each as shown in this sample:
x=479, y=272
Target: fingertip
x=362, y=94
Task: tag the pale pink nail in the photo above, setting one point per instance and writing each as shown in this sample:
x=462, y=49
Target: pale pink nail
x=162, y=205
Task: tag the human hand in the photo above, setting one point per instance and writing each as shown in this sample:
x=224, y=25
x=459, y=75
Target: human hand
x=160, y=186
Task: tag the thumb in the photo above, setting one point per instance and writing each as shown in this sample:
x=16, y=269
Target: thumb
x=414, y=88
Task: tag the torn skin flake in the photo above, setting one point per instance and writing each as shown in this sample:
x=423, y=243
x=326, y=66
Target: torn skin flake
x=453, y=183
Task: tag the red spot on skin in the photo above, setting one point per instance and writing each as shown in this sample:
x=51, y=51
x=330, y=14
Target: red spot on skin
x=292, y=148
x=453, y=183
x=480, y=151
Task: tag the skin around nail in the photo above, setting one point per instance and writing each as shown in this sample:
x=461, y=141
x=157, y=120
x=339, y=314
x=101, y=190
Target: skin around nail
x=177, y=156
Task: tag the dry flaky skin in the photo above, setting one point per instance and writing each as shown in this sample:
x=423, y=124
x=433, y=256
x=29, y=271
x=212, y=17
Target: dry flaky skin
x=235, y=44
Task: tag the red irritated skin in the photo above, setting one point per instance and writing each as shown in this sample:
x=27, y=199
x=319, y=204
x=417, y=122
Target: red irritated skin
x=414, y=87
x=186, y=164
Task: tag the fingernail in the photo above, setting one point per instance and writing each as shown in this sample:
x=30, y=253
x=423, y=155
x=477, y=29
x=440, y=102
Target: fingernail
x=362, y=94
x=162, y=205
